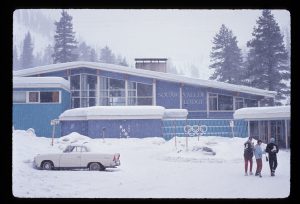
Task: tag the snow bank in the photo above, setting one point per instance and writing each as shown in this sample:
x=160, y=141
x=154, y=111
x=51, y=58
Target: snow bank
x=41, y=82
x=280, y=112
x=150, y=168
x=175, y=114
x=114, y=112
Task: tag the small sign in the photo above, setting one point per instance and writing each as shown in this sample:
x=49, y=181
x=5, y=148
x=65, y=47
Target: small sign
x=54, y=122
x=231, y=123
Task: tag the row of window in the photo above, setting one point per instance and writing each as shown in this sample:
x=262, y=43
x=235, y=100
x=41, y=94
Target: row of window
x=219, y=102
x=36, y=97
x=111, y=92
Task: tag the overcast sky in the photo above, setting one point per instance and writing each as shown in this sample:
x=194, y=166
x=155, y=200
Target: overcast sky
x=184, y=36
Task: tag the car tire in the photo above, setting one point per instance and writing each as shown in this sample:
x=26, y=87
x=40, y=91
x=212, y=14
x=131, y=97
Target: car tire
x=96, y=167
x=47, y=165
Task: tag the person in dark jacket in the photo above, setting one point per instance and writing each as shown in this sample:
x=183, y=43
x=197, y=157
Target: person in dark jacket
x=272, y=150
x=248, y=154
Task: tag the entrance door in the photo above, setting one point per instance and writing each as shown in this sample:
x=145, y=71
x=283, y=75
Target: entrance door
x=277, y=131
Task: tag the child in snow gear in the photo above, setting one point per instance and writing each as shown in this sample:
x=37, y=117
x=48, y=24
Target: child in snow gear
x=258, y=152
x=272, y=150
x=248, y=154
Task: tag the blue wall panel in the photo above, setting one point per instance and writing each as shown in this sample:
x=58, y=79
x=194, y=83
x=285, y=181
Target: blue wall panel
x=140, y=79
x=70, y=126
x=114, y=128
x=38, y=116
x=167, y=94
x=220, y=115
x=114, y=75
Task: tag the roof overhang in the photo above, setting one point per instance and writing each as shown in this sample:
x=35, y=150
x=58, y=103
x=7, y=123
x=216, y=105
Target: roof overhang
x=144, y=73
x=263, y=113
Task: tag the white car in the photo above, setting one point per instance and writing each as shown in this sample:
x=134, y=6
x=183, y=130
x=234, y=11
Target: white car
x=77, y=156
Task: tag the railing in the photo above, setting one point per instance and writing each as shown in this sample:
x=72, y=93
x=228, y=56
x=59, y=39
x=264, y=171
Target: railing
x=204, y=127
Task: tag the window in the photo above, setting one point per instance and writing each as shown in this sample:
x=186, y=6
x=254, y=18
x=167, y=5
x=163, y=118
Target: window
x=33, y=97
x=19, y=97
x=49, y=97
x=139, y=93
x=213, y=101
x=112, y=92
x=239, y=103
x=225, y=102
x=144, y=94
x=220, y=102
x=251, y=103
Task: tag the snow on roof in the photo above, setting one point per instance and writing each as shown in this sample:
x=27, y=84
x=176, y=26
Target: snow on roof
x=259, y=113
x=41, y=82
x=144, y=73
x=175, y=113
x=114, y=112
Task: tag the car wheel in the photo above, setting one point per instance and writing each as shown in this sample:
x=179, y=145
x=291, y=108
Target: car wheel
x=96, y=167
x=47, y=165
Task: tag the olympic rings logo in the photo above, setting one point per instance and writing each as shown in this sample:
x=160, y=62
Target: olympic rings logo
x=195, y=130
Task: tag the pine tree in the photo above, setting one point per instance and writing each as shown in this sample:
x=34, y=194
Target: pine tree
x=48, y=53
x=268, y=59
x=16, y=61
x=84, y=52
x=27, y=53
x=226, y=57
x=65, y=43
x=106, y=56
x=93, y=55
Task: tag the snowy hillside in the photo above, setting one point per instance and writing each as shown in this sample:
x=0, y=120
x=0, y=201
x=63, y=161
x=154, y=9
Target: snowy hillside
x=212, y=167
x=40, y=26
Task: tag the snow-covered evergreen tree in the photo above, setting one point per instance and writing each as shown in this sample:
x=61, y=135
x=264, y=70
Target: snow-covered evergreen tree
x=267, y=62
x=48, y=58
x=93, y=55
x=226, y=57
x=171, y=68
x=195, y=72
x=84, y=52
x=65, y=43
x=16, y=60
x=106, y=56
x=26, y=59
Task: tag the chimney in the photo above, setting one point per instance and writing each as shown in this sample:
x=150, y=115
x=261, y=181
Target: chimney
x=153, y=64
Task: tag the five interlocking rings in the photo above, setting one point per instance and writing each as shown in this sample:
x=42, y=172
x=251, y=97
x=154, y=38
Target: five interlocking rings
x=195, y=130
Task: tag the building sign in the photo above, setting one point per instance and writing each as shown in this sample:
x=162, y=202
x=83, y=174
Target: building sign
x=168, y=94
x=193, y=98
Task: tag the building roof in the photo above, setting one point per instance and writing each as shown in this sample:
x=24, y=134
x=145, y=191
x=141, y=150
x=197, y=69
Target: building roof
x=113, y=112
x=41, y=82
x=263, y=113
x=143, y=73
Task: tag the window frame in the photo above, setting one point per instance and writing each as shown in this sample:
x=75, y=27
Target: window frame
x=24, y=102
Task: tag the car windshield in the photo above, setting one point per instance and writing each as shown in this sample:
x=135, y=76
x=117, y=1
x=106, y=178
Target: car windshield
x=69, y=149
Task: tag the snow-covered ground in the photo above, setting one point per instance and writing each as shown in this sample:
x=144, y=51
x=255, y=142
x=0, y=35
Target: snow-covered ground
x=150, y=168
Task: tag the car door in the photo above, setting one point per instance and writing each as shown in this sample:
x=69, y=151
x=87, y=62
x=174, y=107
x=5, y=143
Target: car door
x=71, y=158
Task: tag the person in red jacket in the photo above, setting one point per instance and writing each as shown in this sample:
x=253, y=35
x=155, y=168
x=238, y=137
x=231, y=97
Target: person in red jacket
x=248, y=154
x=272, y=150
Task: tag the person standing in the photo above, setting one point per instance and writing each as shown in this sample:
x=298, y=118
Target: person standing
x=272, y=150
x=258, y=152
x=248, y=154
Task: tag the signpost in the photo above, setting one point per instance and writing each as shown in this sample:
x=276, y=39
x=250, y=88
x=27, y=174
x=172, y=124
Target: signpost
x=54, y=122
x=231, y=124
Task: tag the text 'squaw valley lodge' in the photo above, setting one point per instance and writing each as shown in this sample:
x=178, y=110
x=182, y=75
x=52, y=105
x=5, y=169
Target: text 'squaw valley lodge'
x=106, y=100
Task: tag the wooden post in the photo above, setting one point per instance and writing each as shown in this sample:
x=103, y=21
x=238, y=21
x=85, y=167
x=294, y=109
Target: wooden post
x=53, y=134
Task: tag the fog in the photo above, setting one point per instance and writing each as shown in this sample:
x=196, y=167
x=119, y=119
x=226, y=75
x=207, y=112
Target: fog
x=183, y=36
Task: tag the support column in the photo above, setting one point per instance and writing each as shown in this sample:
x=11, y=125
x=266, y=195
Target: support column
x=154, y=92
x=126, y=92
x=207, y=104
x=269, y=130
x=180, y=96
x=98, y=91
x=286, y=134
x=248, y=128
